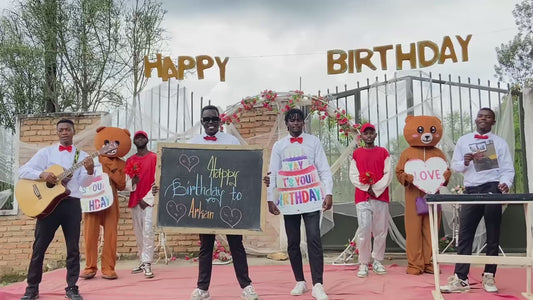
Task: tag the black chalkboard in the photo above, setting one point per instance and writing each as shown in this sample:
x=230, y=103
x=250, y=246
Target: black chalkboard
x=211, y=188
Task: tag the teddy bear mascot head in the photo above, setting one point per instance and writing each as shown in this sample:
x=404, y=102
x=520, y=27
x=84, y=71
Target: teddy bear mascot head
x=422, y=169
x=113, y=166
x=111, y=161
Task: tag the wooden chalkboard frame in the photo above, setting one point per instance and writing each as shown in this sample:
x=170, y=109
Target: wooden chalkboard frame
x=215, y=230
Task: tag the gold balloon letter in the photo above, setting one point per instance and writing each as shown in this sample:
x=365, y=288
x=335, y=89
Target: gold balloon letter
x=185, y=63
x=340, y=60
x=203, y=62
x=148, y=66
x=422, y=61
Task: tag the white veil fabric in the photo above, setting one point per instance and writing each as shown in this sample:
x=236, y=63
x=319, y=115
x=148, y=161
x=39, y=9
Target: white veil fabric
x=146, y=115
x=446, y=104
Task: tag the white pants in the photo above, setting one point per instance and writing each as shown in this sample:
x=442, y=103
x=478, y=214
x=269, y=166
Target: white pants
x=372, y=219
x=144, y=232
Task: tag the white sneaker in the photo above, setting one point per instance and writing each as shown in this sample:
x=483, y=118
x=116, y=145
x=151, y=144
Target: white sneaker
x=147, y=268
x=319, y=293
x=299, y=288
x=363, y=271
x=248, y=293
x=199, y=294
x=378, y=268
x=489, y=284
x=455, y=285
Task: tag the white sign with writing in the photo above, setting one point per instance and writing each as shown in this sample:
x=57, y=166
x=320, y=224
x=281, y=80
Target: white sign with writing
x=98, y=195
x=428, y=175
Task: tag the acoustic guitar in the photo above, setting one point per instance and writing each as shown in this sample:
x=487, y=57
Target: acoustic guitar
x=38, y=198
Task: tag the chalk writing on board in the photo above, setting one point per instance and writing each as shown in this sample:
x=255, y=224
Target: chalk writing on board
x=188, y=162
x=210, y=188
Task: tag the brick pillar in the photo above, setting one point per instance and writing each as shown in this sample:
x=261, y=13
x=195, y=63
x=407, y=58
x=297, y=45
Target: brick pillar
x=260, y=122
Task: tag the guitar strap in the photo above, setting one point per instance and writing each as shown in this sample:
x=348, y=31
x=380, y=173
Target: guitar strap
x=76, y=157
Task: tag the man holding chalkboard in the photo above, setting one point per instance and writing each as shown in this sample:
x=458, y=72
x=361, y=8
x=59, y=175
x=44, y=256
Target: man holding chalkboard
x=302, y=177
x=211, y=123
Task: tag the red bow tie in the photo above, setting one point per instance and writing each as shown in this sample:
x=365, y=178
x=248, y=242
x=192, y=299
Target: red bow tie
x=63, y=148
x=483, y=137
x=210, y=138
x=297, y=139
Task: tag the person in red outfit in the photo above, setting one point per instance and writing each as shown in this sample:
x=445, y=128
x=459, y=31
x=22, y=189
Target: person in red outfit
x=370, y=172
x=141, y=168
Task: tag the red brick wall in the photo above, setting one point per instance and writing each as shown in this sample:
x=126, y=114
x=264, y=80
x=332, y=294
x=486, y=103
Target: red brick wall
x=16, y=232
x=260, y=122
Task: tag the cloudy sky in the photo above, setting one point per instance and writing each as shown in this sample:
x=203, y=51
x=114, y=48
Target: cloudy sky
x=271, y=44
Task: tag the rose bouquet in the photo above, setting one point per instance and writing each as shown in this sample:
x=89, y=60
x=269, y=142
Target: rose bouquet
x=367, y=178
x=132, y=169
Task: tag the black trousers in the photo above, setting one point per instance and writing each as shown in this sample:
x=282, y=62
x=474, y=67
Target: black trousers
x=314, y=245
x=205, y=260
x=470, y=217
x=67, y=215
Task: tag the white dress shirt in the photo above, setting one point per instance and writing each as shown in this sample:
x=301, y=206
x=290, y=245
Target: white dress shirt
x=49, y=156
x=466, y=144
x=315, y=154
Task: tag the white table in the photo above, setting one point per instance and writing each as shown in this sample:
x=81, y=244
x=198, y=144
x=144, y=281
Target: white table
x=523, y=261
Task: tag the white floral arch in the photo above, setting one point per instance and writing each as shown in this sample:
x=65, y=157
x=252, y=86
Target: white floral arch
x=321, y=112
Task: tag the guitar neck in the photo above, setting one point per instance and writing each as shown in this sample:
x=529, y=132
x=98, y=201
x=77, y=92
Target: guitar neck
x=76, y=166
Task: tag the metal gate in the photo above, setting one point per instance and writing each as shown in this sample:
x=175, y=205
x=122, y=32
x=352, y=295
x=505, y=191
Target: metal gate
x=386, y=103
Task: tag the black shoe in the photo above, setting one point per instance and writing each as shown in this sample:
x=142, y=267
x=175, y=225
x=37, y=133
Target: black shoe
x=138, y=269
x=31, y=296
x=73, y=294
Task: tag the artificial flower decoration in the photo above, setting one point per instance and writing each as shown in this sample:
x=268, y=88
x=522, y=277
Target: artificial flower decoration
x=132, y=169
x=446, y=241
x=320, y=106
x=353, y=247
x=271, y=100
x=367, y=178
x=248, y=103
x=268, y=98
x=220, y=253
x=458, y=190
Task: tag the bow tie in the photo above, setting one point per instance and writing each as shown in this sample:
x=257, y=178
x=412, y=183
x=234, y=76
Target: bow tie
x=483, y=137
x=297, y=139
x=210, y=138
x=63, y=148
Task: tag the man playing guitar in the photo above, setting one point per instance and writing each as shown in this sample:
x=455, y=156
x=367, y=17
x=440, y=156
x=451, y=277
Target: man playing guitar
x=66, y=214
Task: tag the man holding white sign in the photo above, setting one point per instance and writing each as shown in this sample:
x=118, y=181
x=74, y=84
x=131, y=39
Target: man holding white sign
x=485, y=161
x=302, y=177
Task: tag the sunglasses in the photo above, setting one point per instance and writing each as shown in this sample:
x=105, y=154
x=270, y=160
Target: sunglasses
x=209, y=119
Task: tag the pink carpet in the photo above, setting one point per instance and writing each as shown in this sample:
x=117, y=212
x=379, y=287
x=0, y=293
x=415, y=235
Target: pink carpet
x=272, y=282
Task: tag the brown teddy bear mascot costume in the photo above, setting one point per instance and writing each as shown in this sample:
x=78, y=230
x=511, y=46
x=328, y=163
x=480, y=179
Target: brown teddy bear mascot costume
x=422, y=133
x=113, y=165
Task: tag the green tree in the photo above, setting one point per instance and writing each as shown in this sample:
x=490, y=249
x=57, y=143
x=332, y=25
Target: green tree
x=74, y=55
x=515, y=59
x=41, y=22
x=90, y=45
x=145, y=37
x=21, y=70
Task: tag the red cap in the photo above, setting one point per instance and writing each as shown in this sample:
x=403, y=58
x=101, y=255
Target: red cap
x=141, y=133
x=366, y=126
